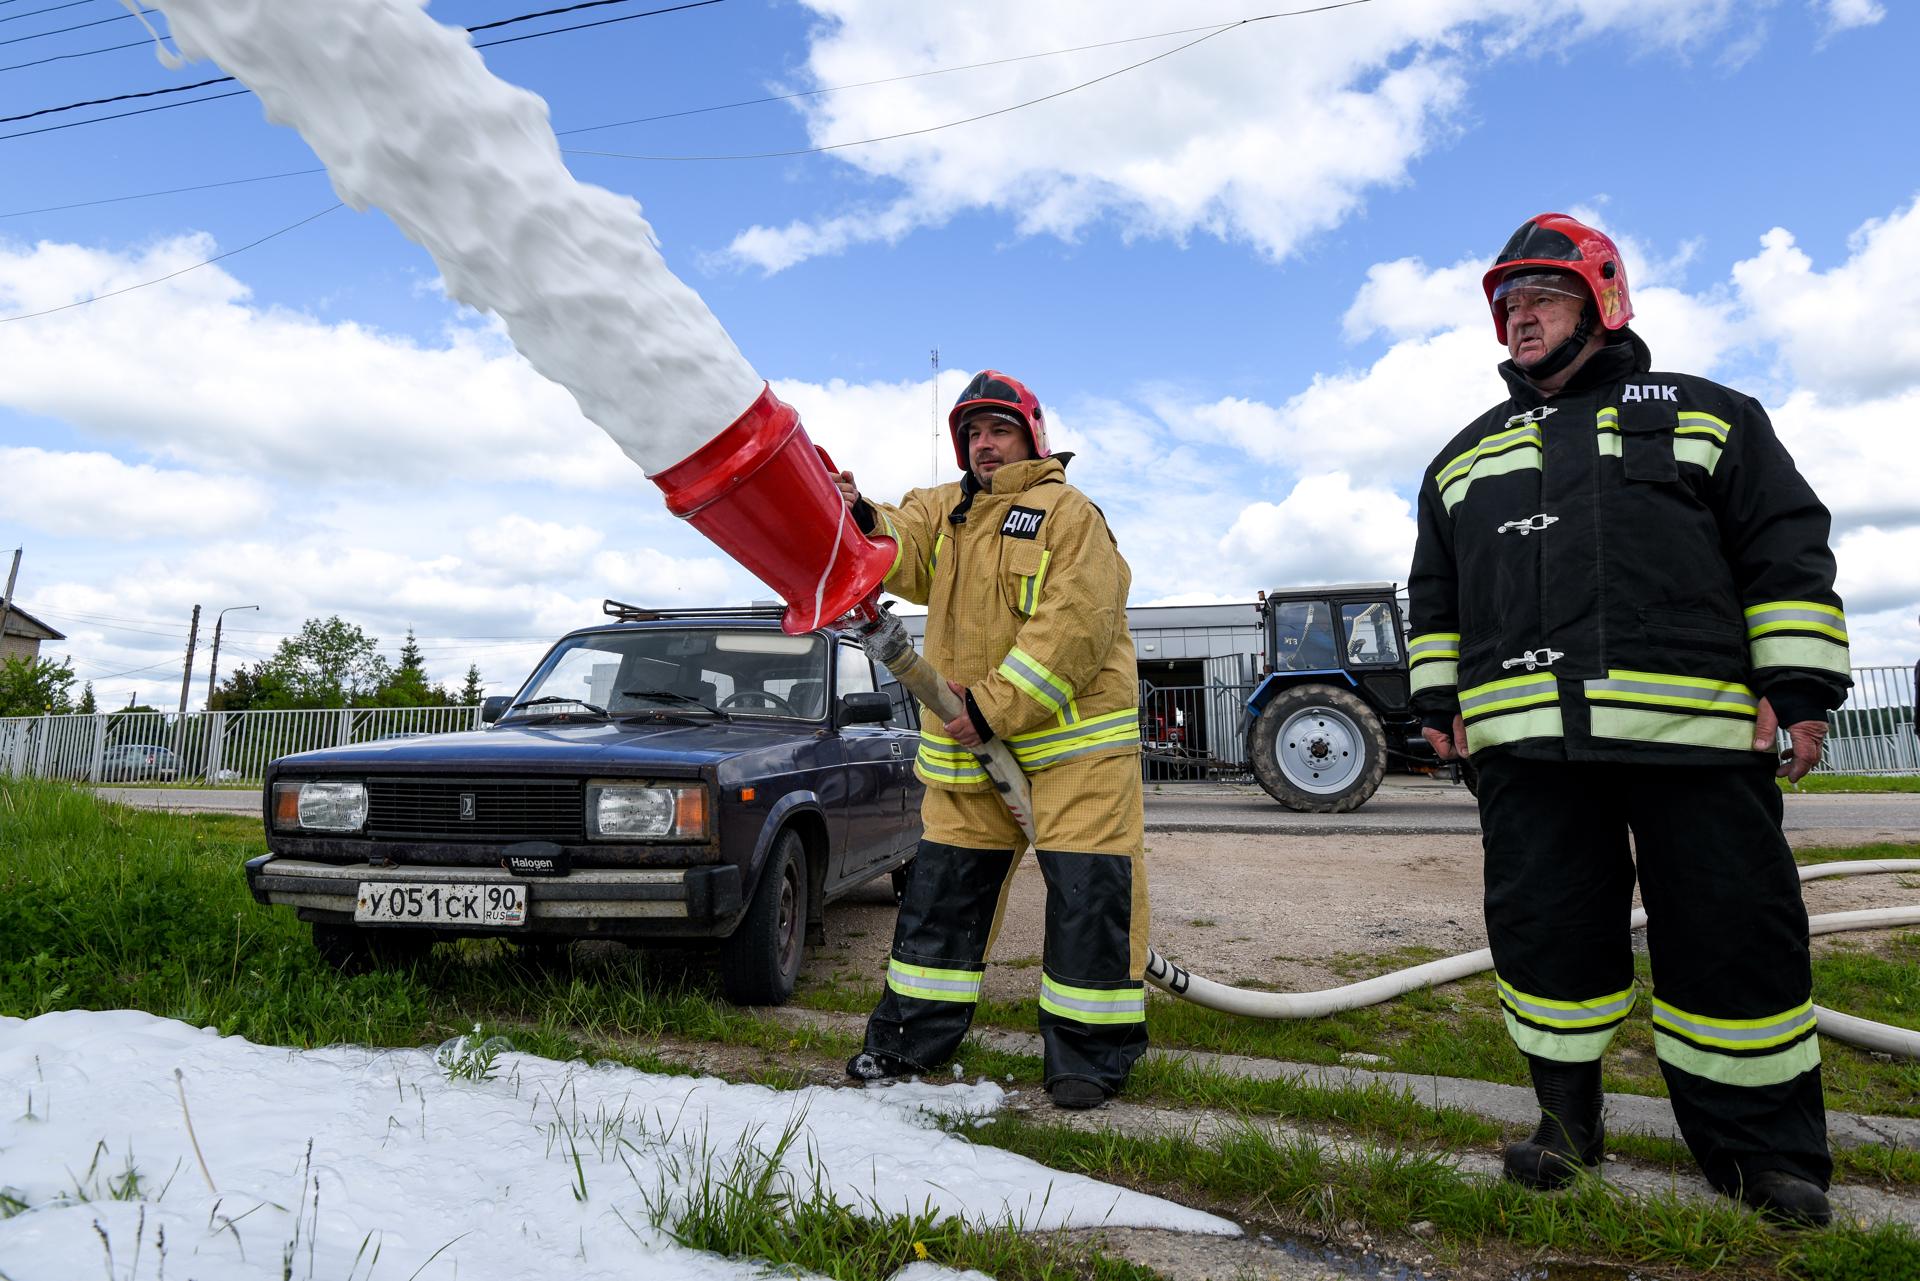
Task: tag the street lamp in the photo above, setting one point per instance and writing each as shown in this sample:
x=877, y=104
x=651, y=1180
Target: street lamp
x=213, y=667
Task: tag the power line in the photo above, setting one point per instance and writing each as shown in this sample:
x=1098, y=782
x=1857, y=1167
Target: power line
x=61, y=31
x=119, y=97
x=122, y=115
x=985, y=115
x=486, y=26
x=34, y=13
x=668, y=115
x=4, y=320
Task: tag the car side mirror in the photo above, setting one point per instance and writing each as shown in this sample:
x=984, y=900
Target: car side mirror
x=493, y=708
x=869, y=707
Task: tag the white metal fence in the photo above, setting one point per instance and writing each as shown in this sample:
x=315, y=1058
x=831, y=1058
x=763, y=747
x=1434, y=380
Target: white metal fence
x=208, y=747
x=1193, y=733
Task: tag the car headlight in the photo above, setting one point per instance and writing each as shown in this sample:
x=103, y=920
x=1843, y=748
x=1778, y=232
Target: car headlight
x=320, y=807
x=647, y=811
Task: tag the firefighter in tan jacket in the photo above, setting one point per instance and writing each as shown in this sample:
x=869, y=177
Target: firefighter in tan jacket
x=1026, y=616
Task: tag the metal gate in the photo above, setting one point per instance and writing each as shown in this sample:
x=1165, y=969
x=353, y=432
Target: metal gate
x=1193, y=733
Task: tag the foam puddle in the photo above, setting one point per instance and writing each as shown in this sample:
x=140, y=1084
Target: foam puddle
x=407, y=119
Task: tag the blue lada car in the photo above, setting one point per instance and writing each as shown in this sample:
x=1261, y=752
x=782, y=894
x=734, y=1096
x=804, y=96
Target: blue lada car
x=664, y=777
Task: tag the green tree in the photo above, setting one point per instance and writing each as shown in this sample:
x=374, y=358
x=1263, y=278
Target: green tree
x=34, y=686
x=86, y=706
x=329, y=663
x=407, y=685
x=473, y=691
x=250, y=687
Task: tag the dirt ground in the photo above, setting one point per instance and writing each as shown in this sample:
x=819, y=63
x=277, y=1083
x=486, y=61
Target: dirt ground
x=1279, y=912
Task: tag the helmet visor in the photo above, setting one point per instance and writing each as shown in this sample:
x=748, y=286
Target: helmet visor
x=1540, y=282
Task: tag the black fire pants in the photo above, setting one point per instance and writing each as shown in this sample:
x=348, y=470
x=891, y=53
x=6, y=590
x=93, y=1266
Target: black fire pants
x=1091, y=852
x=1726, y=933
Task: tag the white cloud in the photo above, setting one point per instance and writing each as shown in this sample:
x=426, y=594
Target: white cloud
x=520, y=546
x=95, y=495
x=1326, y=530
x=1853, y=331
x=1266, y=134
x=1844, y=15
x=191, y=370
x=1879, y=571
x=1404, y=299
x=891, y=436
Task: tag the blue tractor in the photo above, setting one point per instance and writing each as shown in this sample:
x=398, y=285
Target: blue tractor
x=1330, y=712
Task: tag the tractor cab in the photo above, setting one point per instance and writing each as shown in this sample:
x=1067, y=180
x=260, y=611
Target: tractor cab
x=1331, y=707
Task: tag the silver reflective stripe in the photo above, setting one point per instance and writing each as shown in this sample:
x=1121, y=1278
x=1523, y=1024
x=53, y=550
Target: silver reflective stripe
x=1819, y=618
x=1506, y=691
x=1567, y=1013
x=1693, y=693
x=1043, y=682
x=1126, y=1005
x=1719, y=1033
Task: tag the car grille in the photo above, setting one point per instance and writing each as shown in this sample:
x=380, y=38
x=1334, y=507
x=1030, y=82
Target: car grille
x=502, y=809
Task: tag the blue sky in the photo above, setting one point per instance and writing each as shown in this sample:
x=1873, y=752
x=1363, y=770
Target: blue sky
x=1243, y=278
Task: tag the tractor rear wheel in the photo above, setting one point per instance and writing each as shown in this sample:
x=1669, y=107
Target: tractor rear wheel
x=1318, y=749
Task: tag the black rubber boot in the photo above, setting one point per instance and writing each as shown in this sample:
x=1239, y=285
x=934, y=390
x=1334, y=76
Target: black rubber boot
x=1076, y=1094
x=873, y=1065
x=1787, y=1199
x=1570, y=1136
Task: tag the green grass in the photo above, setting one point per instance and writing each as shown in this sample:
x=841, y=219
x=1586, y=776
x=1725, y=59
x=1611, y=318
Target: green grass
x=1857, y=853
x=105, y=907
x=1854, y=783
x=1251, y=1175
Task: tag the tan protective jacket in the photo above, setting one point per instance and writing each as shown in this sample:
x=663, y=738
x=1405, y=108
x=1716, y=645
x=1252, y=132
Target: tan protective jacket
x=1026, y=598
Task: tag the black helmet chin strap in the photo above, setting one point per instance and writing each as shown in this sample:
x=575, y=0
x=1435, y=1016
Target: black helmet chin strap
x=1563, y=355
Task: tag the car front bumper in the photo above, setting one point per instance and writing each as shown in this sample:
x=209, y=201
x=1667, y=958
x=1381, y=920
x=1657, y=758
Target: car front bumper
x=621, y=903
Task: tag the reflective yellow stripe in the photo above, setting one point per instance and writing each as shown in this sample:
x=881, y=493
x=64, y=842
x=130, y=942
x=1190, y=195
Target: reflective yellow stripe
x=1509, y=695
x=943, y=760
x=1520, y=458
x=1704, y=454
x=929, y=984
x=898, y=543
x=1523, y=435
x=1032, y=678
x=1648, y=726
x=1735, y=1034
x=1094, y=1004
x=1434, y=675
x=1656, y=689
x=1041, y=748
x=1796, y=616
x=1561, y=1047
x=934, y=559
x=1801, y=651
x=1611, y=1008
x=1746, y=1070
x=1030, y=585
x=1433, y=645
x=1542, y=722
x=1699, y=422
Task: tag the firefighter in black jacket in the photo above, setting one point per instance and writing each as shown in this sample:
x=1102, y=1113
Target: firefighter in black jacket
x=1621, y=590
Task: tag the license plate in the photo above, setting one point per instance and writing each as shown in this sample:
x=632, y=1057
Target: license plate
x=431, y=903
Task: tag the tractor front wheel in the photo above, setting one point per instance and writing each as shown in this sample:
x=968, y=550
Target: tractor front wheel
x=1318, y=749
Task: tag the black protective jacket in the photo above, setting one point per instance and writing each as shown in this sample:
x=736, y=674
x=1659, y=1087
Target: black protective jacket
x=1619, y=572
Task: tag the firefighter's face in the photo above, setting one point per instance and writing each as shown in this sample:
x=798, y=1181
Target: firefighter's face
x=1538, y=320
x=992, y=442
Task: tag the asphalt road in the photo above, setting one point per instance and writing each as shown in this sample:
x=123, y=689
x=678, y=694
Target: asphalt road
x=1403, y=806
x=1422, y=807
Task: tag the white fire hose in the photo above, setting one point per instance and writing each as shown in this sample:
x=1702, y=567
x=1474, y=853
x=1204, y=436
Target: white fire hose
x=887, y=641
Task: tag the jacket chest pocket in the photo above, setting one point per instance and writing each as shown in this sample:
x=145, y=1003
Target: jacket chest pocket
x=1023, y=574
x=1646, y=444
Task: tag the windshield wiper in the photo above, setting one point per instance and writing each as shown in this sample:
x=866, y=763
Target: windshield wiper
x=675, y=697
x=601, y=712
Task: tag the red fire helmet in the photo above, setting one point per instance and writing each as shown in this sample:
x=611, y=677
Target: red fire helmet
x=993, y=392
x=1553, y=242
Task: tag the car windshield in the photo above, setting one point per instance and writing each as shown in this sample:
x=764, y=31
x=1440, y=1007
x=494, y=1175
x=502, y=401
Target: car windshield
x=691, y=671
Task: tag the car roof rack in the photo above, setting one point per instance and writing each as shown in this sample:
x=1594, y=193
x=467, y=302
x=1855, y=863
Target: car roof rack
x=644, y=614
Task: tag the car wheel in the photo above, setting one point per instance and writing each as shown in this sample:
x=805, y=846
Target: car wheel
x=1319, y=749
x=761, y=960
x=353, y=950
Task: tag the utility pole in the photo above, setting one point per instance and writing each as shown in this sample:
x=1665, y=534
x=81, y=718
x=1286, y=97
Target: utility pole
x=6, y=601
x=213, y=667
x=936, y=417
x=186, y=674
